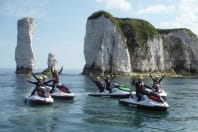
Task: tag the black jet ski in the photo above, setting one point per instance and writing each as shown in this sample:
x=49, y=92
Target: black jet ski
x=40, y=97
x=149, y=101
x=118, y=91
x=62, y=92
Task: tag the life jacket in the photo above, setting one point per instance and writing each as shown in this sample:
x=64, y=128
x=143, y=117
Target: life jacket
x=139, y=87
x=152, y=97
x=41, y=93
x=63, y=89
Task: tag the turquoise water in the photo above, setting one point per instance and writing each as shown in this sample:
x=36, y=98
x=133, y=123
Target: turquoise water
x=92, y=114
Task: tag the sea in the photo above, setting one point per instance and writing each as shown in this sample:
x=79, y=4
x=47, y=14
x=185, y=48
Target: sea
x=95, y=114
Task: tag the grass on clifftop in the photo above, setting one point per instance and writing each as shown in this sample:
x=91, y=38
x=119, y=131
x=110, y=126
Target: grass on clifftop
x=167, y=31
x=135, y=30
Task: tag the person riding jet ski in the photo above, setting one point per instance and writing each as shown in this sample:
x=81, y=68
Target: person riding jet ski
x=55, y=78
x=140, y=87
x=156, y=82
x=108, y=81
x=39, y=83
x=99, y=83
x=40, y=95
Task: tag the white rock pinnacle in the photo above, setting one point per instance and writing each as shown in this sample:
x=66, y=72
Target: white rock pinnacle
x=23, y=53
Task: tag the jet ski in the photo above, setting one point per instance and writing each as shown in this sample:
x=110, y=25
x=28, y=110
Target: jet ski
x=40, y=97
x=62, y=92
x=149, y=101
x=118, y=91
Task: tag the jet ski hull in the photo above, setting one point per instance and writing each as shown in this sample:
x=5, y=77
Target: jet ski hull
x=38, y=101
x=64, y=94
x=116, y=93
x=111, y=95
x=145, y=103
x=129, y=104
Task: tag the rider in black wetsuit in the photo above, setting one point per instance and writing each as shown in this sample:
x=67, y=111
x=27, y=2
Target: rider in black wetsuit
x=100, y=84
x=55, y=77
x=156, y=81
x=40, y=82
x=140, y=88
x=108, y=81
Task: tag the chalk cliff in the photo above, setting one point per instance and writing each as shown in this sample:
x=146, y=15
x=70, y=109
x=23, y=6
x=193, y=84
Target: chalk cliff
x=105, y=50
x=23, y=53
x=125, y=45
x=180, y=51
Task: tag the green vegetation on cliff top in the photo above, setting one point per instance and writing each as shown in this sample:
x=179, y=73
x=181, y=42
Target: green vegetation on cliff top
x=135, y=30
x=167, y=31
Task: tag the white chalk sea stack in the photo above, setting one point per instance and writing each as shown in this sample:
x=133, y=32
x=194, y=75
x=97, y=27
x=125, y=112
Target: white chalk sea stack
x=24, y=56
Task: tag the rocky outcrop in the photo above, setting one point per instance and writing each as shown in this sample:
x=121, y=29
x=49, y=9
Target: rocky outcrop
x=51, y=61
x=123, y=45
x=23, y=53
x=181, y=49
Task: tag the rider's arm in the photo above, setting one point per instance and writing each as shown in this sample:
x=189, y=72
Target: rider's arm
x=31, y=82
x=60, y=71
x=51, y=70
x=103, y=78
x=151, y=77
x=162, y=78
x=147, y=86
x=113, y=77
x=46, y=83
x=133, y=82
x=35, y=76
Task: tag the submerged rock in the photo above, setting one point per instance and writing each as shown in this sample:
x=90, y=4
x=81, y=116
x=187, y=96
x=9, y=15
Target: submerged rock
x=23, y=53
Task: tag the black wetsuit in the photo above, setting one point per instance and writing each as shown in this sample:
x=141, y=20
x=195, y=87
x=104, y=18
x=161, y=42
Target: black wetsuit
x=38, y=84
x=140, y=89
x=55, y=77
x=156, y=81
x=108, y=83
x=100, y=85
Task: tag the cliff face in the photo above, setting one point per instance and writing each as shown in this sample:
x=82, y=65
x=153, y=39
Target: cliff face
x=131, y=45
x=104, y=48
x=181, y=50
x=23, y=53
x=150, y=57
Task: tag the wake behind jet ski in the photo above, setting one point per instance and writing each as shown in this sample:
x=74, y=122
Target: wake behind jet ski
x=148, y=101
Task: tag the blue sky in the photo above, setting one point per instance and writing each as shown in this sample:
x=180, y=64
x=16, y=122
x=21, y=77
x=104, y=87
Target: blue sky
x=61, y=24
